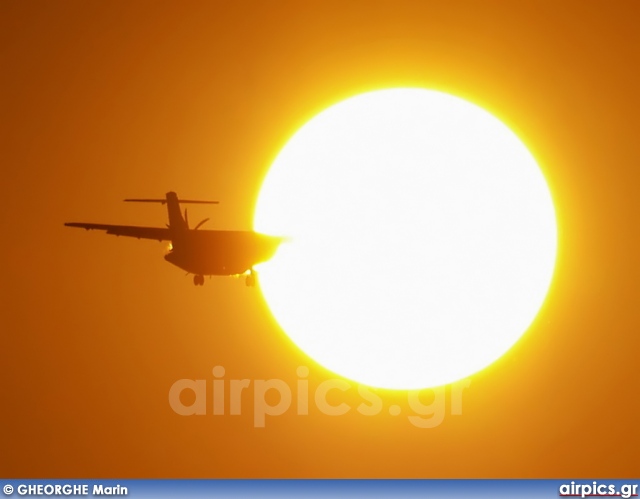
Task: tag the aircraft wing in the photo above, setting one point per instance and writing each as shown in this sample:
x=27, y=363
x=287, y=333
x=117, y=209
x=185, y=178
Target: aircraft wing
x=157, y=233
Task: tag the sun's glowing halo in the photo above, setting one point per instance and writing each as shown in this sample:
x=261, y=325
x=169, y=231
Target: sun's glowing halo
x=423, y=238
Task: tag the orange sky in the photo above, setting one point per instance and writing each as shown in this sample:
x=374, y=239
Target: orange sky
x=106, y=100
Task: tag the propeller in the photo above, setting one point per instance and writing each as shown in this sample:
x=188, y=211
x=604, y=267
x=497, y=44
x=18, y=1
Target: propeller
x=201, y=223
x=186, y=220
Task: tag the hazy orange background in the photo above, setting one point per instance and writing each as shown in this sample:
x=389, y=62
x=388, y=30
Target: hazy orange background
x=106, y=100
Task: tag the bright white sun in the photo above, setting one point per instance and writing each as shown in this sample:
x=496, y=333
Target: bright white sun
x=423, y=238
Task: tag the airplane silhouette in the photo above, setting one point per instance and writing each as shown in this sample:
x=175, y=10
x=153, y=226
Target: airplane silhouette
x=199, y=252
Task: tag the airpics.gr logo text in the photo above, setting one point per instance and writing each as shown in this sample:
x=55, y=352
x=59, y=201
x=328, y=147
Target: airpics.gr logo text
x=233, y=394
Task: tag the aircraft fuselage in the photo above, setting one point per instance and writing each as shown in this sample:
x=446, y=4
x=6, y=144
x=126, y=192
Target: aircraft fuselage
x=221, y=252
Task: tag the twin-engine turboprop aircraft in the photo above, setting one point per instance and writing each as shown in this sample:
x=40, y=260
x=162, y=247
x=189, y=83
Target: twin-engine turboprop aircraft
x=199, y=252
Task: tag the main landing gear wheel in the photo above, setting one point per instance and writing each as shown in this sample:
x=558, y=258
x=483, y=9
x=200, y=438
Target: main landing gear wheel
x=198, y=280
x=250, y=280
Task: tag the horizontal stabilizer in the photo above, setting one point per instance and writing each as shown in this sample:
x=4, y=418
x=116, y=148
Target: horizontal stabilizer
x=164, y=201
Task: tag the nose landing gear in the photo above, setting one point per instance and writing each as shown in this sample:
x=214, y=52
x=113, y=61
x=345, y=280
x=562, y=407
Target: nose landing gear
x=198, y=280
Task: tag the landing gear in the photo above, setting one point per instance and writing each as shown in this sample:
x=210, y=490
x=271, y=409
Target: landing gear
x=198, y=280
x=250, y=280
